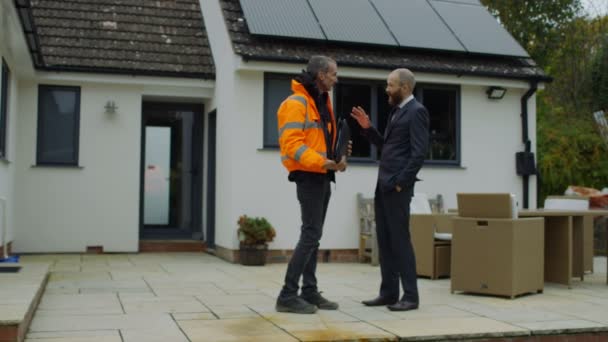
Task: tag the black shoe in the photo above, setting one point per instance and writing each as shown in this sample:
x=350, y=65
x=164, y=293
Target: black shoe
x=379, y=301
x=320, y=301
x=295, y=305
x=403, y=305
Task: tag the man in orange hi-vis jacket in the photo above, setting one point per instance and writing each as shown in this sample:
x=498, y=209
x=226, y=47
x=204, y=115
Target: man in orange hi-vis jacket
x=307, y=133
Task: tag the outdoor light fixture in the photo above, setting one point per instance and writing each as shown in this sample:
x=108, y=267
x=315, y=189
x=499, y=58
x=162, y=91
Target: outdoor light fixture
x=111, y=107
x=496, y=93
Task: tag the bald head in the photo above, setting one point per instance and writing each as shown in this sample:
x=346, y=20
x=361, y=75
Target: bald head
x=399, y=85
x=405, y=77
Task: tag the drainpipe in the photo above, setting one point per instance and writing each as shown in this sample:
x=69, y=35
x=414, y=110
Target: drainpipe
x=526, y=159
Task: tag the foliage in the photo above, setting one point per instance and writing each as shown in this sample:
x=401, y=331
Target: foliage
x=255, y=230
x=571, y=48
x=600, y=76
x=573, y=153
x=535, y=24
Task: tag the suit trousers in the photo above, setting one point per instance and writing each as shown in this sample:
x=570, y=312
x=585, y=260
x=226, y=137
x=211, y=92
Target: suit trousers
x=397, y=259
x=313, y=195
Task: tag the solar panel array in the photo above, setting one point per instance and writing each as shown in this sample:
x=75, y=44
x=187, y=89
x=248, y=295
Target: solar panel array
x=449, y=25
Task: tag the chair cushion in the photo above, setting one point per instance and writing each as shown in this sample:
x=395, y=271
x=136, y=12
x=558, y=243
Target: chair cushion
x=443, y=236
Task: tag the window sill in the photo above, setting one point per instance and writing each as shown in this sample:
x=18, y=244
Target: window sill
x=57, y=166
x=443, y=166
x=268, y=149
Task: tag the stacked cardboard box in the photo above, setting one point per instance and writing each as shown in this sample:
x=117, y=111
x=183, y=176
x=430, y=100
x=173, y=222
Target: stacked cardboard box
x=494, y=253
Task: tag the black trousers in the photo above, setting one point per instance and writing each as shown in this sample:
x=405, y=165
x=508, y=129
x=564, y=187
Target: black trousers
x=313, y=195
x=397, y=259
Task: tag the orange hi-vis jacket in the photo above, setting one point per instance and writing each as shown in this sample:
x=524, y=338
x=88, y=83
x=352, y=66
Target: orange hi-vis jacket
x=301, y=135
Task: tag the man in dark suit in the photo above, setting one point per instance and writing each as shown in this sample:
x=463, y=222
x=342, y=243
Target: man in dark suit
x=404, y=147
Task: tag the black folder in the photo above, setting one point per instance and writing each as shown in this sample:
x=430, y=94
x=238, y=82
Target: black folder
x=341, y=147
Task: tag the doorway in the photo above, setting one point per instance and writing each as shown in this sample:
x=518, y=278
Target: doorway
x=171, y=171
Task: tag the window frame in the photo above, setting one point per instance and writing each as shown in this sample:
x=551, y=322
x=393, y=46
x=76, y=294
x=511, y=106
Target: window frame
x=76, y=128
x=374, y=86
x=269, y=76
x=4, y=101
x=418, y=93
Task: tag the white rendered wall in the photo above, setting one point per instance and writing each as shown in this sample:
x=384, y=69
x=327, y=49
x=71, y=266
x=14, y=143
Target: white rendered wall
x=491, y=134
x=13, y=50
x=62, y=209
x=230, y=147
x=252, y=181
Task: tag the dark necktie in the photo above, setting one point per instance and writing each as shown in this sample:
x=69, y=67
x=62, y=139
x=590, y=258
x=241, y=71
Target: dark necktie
x=392, y=114
x=391, y=118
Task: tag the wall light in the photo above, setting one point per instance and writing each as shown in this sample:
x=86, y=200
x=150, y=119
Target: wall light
x=110, y=107
x=496, y=93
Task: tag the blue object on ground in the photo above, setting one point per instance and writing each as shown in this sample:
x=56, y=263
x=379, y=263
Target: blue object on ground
x=12, y=258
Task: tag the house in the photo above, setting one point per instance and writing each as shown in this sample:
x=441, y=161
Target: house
x=157, y=119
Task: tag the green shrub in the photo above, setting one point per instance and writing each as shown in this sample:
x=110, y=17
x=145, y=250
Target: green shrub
x=255, y=230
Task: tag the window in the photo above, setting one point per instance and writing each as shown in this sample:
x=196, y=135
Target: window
x=441, y=101
x=276, y=89
x=4, y=85
x=443, y=104
x=58, y=125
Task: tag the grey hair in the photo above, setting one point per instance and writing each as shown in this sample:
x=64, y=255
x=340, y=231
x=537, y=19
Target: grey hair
x=317, y=64
x=406, y=77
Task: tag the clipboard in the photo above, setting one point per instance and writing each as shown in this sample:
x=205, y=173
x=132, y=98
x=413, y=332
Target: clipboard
x=341, y=147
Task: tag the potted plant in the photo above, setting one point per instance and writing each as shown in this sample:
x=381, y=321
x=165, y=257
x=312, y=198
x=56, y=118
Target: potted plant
x=254, y=234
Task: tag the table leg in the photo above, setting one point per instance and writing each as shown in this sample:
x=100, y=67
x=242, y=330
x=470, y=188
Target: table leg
x=578, y=247
x=558, y=249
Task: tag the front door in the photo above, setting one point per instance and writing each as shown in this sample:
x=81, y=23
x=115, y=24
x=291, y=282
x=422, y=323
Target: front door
x=171, y=171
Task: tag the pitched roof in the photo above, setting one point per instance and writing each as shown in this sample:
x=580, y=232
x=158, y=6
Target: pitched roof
x=252, y=47
x=164, y=38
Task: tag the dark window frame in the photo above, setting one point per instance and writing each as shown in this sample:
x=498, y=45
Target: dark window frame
x=373, y=112
x=375, y=85
x=4, y=100
x=76, y=129
x=418, y=93
x=268, y=77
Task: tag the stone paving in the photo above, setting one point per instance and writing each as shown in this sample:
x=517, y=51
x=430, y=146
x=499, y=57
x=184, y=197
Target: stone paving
x=198, y=297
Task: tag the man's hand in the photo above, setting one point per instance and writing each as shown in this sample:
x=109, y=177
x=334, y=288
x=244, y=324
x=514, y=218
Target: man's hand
x=330, y=165
x=342, y=164
x=359, y=114
x=398, y=188
x=349, y=151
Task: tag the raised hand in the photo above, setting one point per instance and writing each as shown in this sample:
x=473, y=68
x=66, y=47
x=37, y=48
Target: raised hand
x=362, y=118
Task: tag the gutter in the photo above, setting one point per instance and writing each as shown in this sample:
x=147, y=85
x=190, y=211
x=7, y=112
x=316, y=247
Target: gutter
x=447, y=71
x=524, y=161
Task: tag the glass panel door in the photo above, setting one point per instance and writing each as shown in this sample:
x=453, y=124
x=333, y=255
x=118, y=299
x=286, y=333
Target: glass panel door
x=157, y=170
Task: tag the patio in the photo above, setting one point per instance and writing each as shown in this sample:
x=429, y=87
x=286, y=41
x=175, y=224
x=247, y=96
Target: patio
x=198, y=297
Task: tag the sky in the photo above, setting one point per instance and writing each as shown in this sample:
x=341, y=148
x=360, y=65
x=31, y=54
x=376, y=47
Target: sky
x=595, y=7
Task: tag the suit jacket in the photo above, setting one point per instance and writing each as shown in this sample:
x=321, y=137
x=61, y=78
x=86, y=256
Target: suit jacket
x=404, y=146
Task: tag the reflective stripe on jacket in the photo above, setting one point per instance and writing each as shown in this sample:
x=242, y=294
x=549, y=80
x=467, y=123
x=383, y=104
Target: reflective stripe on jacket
x=301, y=136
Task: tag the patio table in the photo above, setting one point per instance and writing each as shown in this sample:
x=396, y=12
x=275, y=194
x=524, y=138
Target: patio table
x=565, y=244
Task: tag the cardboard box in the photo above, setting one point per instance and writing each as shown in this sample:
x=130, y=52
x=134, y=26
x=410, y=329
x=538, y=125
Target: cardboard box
x=428, y=258
x=502, y=257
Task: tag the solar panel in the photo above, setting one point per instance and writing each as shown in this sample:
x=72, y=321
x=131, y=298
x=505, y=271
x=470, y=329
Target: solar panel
x=477, y=29
x=415, y=24
x=283, y=18
x=352, y=21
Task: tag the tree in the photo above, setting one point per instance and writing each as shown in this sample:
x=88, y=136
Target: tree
x=600, y=77
x=535, y=24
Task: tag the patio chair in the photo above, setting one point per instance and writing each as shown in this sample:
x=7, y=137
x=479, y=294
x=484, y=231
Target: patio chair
x=431, y=233
x=367, y=230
